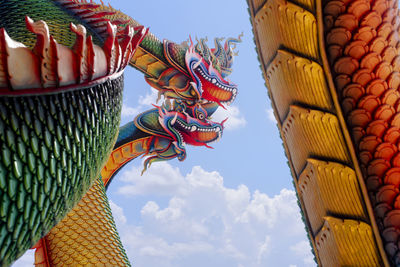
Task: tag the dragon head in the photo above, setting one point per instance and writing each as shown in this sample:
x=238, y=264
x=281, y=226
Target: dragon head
x=206, y=73
x=189, y=125
x=178, y=122
x=196, y=72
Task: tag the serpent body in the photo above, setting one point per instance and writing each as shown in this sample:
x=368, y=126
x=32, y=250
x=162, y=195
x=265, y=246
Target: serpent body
x=332, y=71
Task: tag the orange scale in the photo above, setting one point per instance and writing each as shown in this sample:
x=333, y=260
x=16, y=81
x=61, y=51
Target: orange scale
x=396, y=203
x=378, y=44
x=377, y=128
x=338, y=36
x=363, y=76
x=394, y=80
x=393, y=39
x=373, y=183
x=334, y=8
x=396, y=62
x=370, y=61
x=369, y=143
x=378, y=167
x=384, y=112
x=328, y=21
x=376, y=87
x=358, y=8
x=382, y=209
x=356, y=49
x=389, y=15
x=334, y=52
x=380, y=6
x=390, y=97
x=395, y=21
x=365, y=33
x=392, y=177
x=365, y=157
x=392, y=134
x=357, y=133
x=359, y=117
x=346, y=65
x=389, y=53
x=385, y=29
x=348, y=21
x=348, y=104
x=369, y=103
x=341, y=81
x=383, y=70
x=392, y=218
x=397, y=106
x=373, y=19
x=353, y=90
x=385, y=151
x=387, y=194
x=396, y=160
x=396, y=120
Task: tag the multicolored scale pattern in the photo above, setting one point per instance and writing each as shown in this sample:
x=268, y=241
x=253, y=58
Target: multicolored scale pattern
x=52, y=148
x=87, y=235
x=363, y=48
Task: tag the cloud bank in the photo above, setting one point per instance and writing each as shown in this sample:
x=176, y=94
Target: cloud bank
x=205, y=223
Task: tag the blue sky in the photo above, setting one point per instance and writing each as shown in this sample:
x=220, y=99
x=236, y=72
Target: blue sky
x=229, y=206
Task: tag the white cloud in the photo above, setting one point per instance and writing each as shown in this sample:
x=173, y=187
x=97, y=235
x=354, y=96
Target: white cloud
x=144, y=103
x=270, y=114
x=117, y=213
x=149, y=99
x=160, y=179
x=235, y=118
x=206, y=223
x=129, y=111
x=302, y=248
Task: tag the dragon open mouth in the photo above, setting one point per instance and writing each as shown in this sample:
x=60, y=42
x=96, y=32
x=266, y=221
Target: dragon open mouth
x=214, y=89
x=207, y=79
x=198, y=135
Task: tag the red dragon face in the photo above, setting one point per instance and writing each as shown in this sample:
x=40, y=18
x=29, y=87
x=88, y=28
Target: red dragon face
x=185, y=129
x=207, y=80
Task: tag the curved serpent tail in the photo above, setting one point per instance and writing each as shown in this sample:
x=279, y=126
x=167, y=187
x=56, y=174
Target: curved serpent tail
x=332, y=70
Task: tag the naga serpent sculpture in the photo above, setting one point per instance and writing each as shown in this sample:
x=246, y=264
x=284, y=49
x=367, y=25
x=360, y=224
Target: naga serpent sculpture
x=61, y=81
x=333, y=72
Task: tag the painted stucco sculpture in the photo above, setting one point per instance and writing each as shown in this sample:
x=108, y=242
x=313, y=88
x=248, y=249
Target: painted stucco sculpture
x=332, y=71
x=61, y=81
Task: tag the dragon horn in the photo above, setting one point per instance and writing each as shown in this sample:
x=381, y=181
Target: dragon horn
x=174, y=119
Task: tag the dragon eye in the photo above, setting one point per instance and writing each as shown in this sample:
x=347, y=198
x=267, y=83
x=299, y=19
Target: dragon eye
x=200, y=112
x=200, y=116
